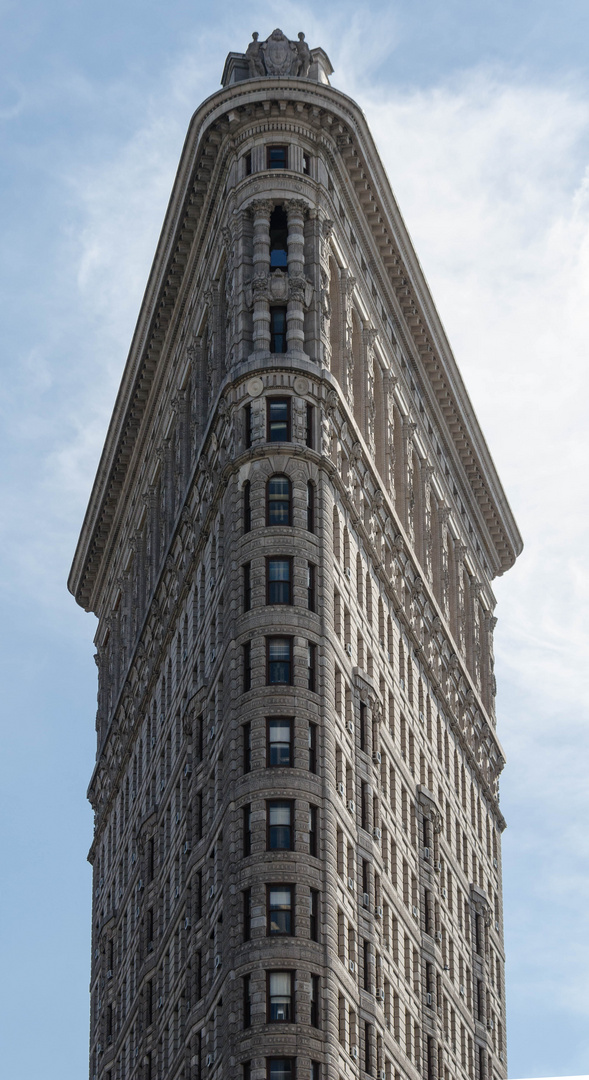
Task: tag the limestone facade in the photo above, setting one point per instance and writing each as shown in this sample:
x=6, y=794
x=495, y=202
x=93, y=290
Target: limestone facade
x=290, y=548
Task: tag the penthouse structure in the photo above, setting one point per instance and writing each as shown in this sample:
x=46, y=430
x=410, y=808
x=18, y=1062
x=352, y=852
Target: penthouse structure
x=290, y=547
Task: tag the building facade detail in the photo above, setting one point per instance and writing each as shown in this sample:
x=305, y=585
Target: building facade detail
x=290, y=548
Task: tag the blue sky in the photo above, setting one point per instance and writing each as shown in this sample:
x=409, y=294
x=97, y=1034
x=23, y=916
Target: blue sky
x=481, y=114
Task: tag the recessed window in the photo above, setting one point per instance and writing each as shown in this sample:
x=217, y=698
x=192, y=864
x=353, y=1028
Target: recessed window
x=247, y=1001
x=312, y=667
x=247, y=666
x=247, y=586
x=278, y=501
x=280, y=997
x=279, y=661
x=277, y=157
x=311, y=604
x=278, y=240
x=280, y=910
x=306, y=164
x=247, y=425
x=312, y=748
x=279, y=825
x=248, y=164
x=247, y=914
x=278, y=329
x=246, y=1071
x=278, y=419
x=279, y=751
x=280, y=1068
x=315, y=1001
x=310, y=506
x=314, y=914
x=247, y=830
x=247, y=507
x=247, y=747
x=309, y=411
x=313, y=830
x=279, y=581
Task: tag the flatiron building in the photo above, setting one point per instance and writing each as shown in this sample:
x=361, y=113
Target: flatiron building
x=289, y=548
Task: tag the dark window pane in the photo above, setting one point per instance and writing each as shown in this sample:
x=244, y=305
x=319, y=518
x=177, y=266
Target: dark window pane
x=278, y=584
x=278, y=419
x=312, y=748
x=280, y=1069
x=310, y=506
x=279, y=661
x=277, y=157
x=278, y=330
x=247, y=666
x=279, y=742
x=278, y=501
x=247, y=510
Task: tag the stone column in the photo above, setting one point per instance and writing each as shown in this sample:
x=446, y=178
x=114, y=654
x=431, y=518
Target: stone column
x=348, y=284
x=295, y=317
x=261, y=209
x=389, y=381
x=369, y=335
x=324, y=301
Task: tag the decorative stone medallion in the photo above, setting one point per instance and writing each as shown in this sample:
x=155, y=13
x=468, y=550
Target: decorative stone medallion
x=255, y=387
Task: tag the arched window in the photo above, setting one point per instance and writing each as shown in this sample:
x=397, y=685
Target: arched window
x=278, y=501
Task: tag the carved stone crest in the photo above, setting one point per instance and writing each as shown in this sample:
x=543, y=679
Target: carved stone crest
x=280, y=54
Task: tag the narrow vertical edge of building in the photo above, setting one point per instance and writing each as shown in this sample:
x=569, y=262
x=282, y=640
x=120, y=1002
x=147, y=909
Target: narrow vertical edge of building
x=290, y=547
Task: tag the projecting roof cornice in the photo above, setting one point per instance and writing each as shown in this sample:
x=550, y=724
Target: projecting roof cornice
x=208, y=151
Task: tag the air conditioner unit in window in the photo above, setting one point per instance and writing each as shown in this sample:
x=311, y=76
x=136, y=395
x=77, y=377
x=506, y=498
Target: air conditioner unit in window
x=379, y=994
x=218, y=960
x=210, y=1059
x=347, y=572
x=437, y=867
x=444, y=894
x=349, y=649
x=378, y=912
x=495, y=863
x=415, y=913
x=351, y=805
x=351, y=883
x=421, y=717
x=212, y=733
x=377, y=757
x=109, y=974
x=366, y=899
x=462, y=991
x=354, y=1052
x=133, y=857
x=341, y=790
x=377, y=834
x=177, y=819
x=352, y=966
x=438, y=935
x=213, y=654
x=496, y=926
x=382, y=1075
x=187, y=769
x=160, y=1002
x=426, y=853
x=428, y=999
x=211, y=892
x=177, y=891
x=187, y=923
x=186, y=847
x=490, y=1023
x=501, y=1055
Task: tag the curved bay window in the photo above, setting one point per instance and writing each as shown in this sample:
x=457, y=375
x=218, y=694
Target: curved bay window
x=279, y=821
x=280, y=997
x=278, y=501
x=278, y=661
x=278, y=239
x=280, y=910
x=279, y=581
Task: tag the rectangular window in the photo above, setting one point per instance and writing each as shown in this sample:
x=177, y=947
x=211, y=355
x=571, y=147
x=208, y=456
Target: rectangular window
x=247, y=830
x=368, y=1047
x=248, y=164
x=313, y=748
x=315, y=1070
x=247, y=747
x=278, y=661
x=310, y=412
x=247, y=586
x=362, y=726
x=247, y=914
x=277, y=337
x=310, y=506
x=315, y=1001
x=246, y=1071
x=278, y=501
x=280, y=917
x=307, y=172
x=278, y=415
x=279, y=742
x=280, y=831
x=277, y=157
x=280, y=1068
x=247, y=666
x=247, y=508
x=311, y=604
x=314, y=914
x=312, y=667
x=313, y=824
x=247, y=1001
x=280, y=997
x=248, y=425
x=279, y=581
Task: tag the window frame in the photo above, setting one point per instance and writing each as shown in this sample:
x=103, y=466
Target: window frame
x=247, y=586
x=314, y=914
x=291, y=1060
x=279, y=400
x=269, y=826
x=269, y=909
x=276, y=146
x=274, y=334
x=274, y=524
x=312, y=667
x=313, y=831
x=285, y=559
x=283, y=720
x=291, y=996
x=246, y=812
x=311, y=507
x=279, y=637
x=312, y=737
x=247, y=507
x=311, y=587
x=246, y=649
x=246, y=730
